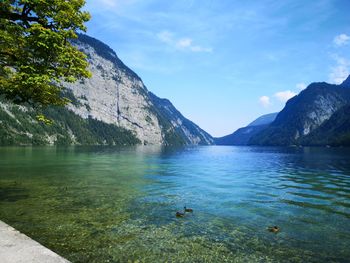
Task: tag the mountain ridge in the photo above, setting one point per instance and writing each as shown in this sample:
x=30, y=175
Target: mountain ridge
x=346, y=82
x=114, y=98
x=243, y=135
x=264, y=119
x=303, y=114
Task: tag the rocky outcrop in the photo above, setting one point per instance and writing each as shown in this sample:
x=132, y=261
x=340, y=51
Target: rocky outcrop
x=334, y=132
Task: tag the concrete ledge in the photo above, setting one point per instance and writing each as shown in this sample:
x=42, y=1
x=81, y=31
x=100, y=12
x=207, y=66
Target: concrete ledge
x=16, y=247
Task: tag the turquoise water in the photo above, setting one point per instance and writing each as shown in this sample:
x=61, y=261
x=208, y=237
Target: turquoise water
x=100, y=204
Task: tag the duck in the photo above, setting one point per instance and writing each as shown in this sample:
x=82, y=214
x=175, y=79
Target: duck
x=180, y=214
x=273, y=229
x=190, y=210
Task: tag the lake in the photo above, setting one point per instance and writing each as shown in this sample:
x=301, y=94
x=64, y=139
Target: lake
x=106, y=204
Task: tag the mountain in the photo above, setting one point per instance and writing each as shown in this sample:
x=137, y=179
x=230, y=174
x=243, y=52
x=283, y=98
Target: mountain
x=334, y=132
x=243, y=135
x=112, y=107
x=20, y=127
x=264, y=120
x=176, y=125
x=304, y=114
x=346, y=83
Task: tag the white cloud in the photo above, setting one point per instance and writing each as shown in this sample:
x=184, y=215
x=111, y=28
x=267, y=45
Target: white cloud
x=185, y=42
x=182, y=43
x=284, y=96
x=281, y=96
x=340, y=71
x=341, y=40
x=265, y=101
x=301, y=86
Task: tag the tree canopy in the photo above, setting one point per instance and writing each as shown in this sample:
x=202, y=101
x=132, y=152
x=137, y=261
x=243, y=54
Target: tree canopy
x=36, y=55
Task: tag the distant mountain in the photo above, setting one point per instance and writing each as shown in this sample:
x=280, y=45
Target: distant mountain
x=304, y=114
x=113, y=107
x=243, y=135
x=264, y=120
x=176, y=126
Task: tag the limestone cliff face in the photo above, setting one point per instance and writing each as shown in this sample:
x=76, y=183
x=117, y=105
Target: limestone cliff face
x=324, y=105
x=335, y=131
x=116, y=95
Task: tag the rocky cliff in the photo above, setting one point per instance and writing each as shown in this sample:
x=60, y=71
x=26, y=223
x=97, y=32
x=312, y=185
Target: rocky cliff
x=333, y=132
x=116, y=96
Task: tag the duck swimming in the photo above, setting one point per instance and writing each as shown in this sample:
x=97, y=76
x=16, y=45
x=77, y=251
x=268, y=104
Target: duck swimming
x=190, y=210
x=273, y=229
x=180, y=214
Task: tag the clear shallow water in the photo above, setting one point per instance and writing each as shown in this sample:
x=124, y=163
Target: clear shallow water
x=102, y=204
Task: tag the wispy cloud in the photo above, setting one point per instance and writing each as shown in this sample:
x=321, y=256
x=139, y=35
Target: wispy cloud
x=181, y=43
x=340, y=71
x=284, y=96
x=265, y=101
x=184, y=43
x=341, y=40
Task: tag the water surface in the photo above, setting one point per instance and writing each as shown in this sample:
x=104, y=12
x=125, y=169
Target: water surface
x=102, y=204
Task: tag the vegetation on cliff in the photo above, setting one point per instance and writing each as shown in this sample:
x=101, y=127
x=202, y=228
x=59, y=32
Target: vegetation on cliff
x=20, y=127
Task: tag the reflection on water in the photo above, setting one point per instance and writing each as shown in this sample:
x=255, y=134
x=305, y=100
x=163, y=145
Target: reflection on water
x=103, y=204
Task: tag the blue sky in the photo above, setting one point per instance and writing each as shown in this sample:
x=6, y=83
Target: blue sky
x=224, y=63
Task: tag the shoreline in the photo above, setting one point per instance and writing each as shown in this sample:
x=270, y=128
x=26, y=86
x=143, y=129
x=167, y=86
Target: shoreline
x=16, y=247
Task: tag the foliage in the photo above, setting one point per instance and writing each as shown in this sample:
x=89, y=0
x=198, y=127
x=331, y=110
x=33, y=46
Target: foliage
x=20, y=127
x=35, y=52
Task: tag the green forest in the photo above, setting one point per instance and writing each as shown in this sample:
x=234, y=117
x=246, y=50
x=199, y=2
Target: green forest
x=19, y=126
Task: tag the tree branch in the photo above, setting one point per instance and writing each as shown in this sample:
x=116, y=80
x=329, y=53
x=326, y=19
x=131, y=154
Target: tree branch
x=26, y=19
x=16, y=17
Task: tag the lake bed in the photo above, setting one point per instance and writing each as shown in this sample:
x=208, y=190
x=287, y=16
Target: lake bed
x=109, y=204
